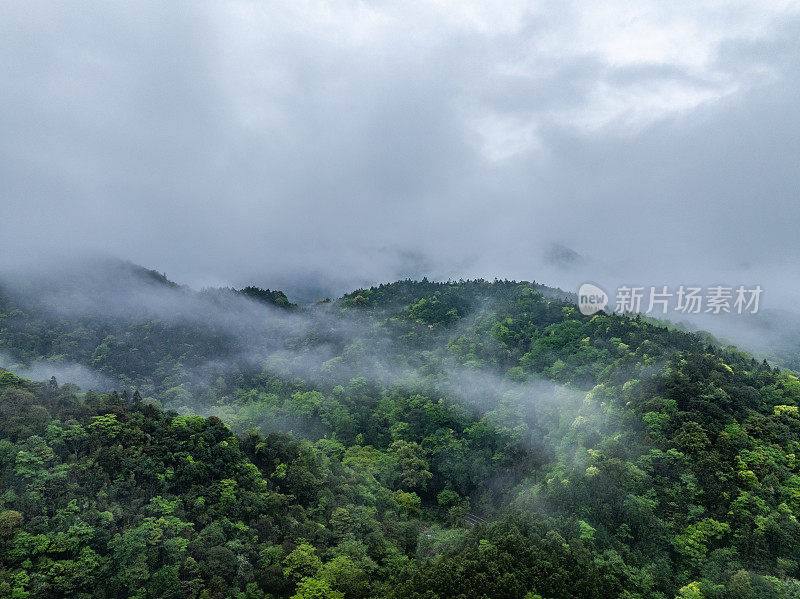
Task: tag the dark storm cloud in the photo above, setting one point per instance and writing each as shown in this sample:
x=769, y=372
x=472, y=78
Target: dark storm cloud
x=294, y=143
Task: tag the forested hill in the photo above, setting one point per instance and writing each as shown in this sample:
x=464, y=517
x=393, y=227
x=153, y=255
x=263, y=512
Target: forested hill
x=417, y=439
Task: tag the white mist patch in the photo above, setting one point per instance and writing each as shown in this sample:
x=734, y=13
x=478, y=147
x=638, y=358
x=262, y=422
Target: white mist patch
x=65, y=372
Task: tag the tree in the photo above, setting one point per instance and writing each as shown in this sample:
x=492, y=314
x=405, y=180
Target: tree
x=302, y=562
x=9, y=521
x=413, y=465
x=314, y=588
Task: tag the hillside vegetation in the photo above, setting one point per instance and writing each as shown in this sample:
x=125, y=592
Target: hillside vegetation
x=416, y=439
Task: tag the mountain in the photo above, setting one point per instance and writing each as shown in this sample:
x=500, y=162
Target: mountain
x=414, y=439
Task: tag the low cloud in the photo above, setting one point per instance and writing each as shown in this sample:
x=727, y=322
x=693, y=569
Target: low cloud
x=65, y=372
x=319, y=149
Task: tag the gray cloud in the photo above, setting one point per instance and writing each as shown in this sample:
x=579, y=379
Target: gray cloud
x=290, y=144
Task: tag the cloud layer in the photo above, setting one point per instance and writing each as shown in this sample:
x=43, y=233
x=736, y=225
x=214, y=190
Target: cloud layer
x=339, y=144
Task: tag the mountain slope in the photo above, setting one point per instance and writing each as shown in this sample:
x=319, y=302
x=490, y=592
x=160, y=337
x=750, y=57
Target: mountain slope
x=610, y=456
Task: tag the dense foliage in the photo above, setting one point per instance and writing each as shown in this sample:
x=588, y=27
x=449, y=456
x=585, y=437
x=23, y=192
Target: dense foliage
x=416, y=439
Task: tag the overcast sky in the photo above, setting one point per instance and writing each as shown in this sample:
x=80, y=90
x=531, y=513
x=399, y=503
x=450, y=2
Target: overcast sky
x=356, y=142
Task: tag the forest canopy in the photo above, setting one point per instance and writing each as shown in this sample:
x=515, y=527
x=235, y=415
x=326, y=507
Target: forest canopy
x=416, y=439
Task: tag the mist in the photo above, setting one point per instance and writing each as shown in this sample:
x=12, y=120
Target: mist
x=65, y=372
x=317, y=151
x=321, y=345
